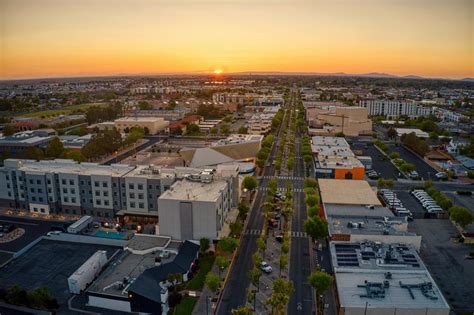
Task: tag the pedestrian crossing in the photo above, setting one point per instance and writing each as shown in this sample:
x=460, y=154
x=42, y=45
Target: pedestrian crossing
x=292, y=233
x=283, y=177
x=281, y=189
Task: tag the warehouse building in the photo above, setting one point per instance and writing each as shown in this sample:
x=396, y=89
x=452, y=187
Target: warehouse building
x=153, y=124
x=376, y=278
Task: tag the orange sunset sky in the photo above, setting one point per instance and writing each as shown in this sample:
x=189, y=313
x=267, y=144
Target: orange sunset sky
x=47, y=38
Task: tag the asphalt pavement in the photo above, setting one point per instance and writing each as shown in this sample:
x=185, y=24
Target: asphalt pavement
x=424, y=169
x=380, y=163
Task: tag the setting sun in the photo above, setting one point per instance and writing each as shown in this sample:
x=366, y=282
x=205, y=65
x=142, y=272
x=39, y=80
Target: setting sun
x=217, y=71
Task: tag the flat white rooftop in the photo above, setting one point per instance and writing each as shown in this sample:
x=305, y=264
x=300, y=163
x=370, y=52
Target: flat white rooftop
x=185, y=190
x=329, y=141
x=349, y=192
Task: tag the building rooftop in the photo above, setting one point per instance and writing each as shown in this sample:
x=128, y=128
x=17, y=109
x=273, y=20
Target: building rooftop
x=68, y=166
x=329, y=141
x=377, y=275
x=340, y=224
x=336, y=161
x=238, y=138
x=195, y=191
x=30, y=137
x=349, y=192
x=361, y=210
x=139, y=119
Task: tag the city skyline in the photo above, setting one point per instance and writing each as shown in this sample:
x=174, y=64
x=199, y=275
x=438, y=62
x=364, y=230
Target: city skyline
x=50, y=38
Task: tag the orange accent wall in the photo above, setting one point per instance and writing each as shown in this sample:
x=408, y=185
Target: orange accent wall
x=357, y=173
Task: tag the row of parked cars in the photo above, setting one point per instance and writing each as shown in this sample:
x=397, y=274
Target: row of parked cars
x=395, y=204
x=428, y=203
x=6, y=228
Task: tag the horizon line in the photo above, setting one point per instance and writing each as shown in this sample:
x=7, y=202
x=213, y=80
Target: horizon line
x=373, y=74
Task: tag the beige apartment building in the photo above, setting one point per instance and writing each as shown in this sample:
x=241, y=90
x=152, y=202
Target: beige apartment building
x=328, y=120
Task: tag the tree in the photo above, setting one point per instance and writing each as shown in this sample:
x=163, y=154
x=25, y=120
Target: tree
x=290, y=163
x=394, y=155
x=391, y=133
x=227, y=244
x=320, y=281
x=311, y=200
x=316, y=228
x=76, y=156
x=254, y=275
x=235, y=228
x=243, y=209
x=242, y=310
x=243, y=130
x=222, y=262
x=310, y=182
x=462, y=216
x=213, y=131
x=212, y=281
x=280, y=297
x=225, y=129
x=192, y=129
x=407, y=167
x=249, y=183
x=55, y=148
x=9, y=130
x=144, y=105
x=283, y=262
x=204, y=244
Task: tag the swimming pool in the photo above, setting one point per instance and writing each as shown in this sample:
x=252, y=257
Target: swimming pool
x=110, y=234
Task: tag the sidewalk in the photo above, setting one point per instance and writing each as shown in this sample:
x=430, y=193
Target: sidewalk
x=204, y=304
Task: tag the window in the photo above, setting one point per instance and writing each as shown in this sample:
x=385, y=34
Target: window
x=73, y=200
x=150, y=187
x=8, y=185
x=104, y=184
x=35, y=209
x=141, y=205
x=64, y=182
x=8, y=177
x=49, y=181
x=83, y=192
x=31, y=181
x=49, y=190
x=66, y=199
x=115, y=194
x=40, y=190
x=140, y=196
x=32, y=190
x=131, y=186
x=71, y=182
x=98, y=202
x=97, y=193
x=150, y=205
x=140, y=187
x=82, y=182
x=166, y=187
x=38, y=182
x=96, y=184
x=123, y=185
x=65, y=190
x=132, y=195
x=73, y=191
x=106, y=202
x=106, y=214
x=42, y=210
x=132, y=204
x=50, y=199
x=114, y=184
x=74, y=211
x=40, y=199
x=106, y=193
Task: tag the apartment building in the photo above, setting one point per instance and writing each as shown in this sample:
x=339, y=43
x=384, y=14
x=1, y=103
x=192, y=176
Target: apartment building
x=393, y=109
x=333, y=158
x=64, y=186
x=261, y=123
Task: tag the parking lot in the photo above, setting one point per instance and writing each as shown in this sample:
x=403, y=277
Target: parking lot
x=446, y=261
x=49, y=263
x=424, y=170
x=33, y=230
x=411, y=204
x=380, y=164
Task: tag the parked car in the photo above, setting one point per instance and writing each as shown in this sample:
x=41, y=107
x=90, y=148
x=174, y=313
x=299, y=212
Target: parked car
x=414, y=175
x=265, y=267
x=441, y=175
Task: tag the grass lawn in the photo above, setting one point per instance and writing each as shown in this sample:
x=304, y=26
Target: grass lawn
x=63, y=111
x=205, y=265
x=186, y=306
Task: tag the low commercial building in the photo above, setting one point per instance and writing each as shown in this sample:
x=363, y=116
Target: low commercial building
x=75, y=142
x=330, y=120
x=19, y=144
x=195, y=208
x=352, y=228
x=334, y=159
x=418, y=132
x=183, y=123
x=235, y=148
x=153, y=124
x=384, y=278
x=136, y=280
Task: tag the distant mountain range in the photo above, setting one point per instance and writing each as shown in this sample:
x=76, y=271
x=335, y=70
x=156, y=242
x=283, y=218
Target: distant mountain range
x=343, y=74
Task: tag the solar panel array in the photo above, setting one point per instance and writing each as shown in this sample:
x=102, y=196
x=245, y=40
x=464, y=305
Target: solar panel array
x=346, y=255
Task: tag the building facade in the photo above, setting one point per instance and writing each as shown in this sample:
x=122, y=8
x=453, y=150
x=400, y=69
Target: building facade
x=394, y=109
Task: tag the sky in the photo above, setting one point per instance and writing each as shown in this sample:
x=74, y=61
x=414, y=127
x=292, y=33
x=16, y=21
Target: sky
x=51, y=38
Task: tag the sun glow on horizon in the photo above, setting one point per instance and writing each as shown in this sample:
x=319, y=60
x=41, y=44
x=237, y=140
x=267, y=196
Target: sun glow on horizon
x=218, y=71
